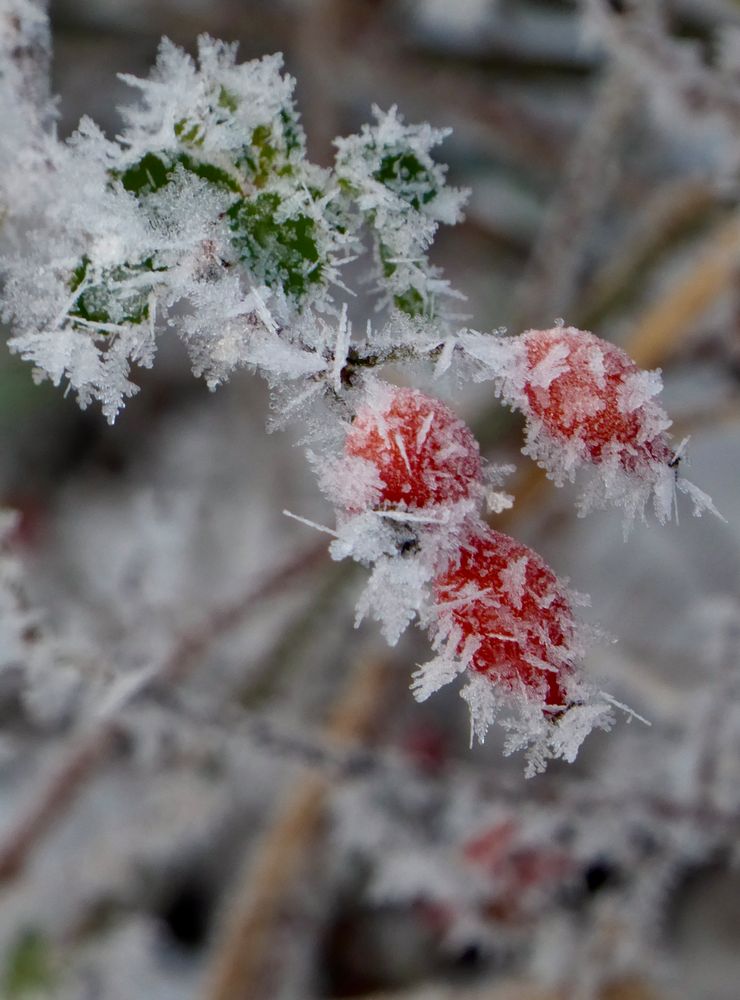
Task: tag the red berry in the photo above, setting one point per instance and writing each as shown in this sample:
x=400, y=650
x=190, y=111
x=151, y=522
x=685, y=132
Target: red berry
x=582, y=388
x=423, y=453
x=503, y=594
x=491, y=847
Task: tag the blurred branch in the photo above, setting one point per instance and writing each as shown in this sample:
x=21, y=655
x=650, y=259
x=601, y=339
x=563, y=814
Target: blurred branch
x=516, y=989
x=637, y=37
x=669, y=320
x=280, y=661
x=550, y=280
x=335, y=757
x=675, y=212
x=92, y=747
x=241, y=954
x=510, y=990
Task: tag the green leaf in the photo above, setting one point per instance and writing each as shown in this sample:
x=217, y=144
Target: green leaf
x=227, y=100
x=104, y=303
x=281, y=254
x=148, y=175
x=152, y=173
x=258, y=157
x=28, y=969
x=407, y=177
x=189, y=132
x=410, y=302
x=292, y=131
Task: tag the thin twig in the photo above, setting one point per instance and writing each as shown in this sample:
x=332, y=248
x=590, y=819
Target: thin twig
x=91, y=747
x=638, y=39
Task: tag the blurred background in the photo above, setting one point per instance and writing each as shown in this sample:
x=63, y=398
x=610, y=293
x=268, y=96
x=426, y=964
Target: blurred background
x=276, y=817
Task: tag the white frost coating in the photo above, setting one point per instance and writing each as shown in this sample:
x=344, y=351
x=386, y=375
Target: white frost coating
x=493, y=654
x=445, y=357
x=179, y=90
x=395, y=594
x=205, y=215
x=429, y=677
x=405, y=553
x=483, y=702
x=544, y=373
x=350, y=482
x=390, y=163
x=424, y=429
x=545, y=739
x=410, y=549
x=341, y=347
x=514, y=578
x=636, y=390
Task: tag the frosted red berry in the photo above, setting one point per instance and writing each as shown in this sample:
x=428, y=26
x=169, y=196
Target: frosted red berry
x=502, y=593
x=584, y=389
x=423, y=453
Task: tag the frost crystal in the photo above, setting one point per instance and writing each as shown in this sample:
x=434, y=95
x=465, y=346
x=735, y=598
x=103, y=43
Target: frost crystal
x=401, y=194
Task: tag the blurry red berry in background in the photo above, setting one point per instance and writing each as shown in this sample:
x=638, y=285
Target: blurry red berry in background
x=515, y=867
x=506, y=596
x=492, y=846
x=583, y=387
x=28, y=530
x=424, y=454
x=426, y=746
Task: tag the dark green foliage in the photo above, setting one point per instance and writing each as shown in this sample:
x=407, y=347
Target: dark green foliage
x=149, y=174
x=389, y=268
x=97, y=304
x=227, y=100
x=258, y=158
x=189, y=132
x=292, y=131
x=152, y=173
x=410, y=302
x=281, y=254
x=404, y=174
